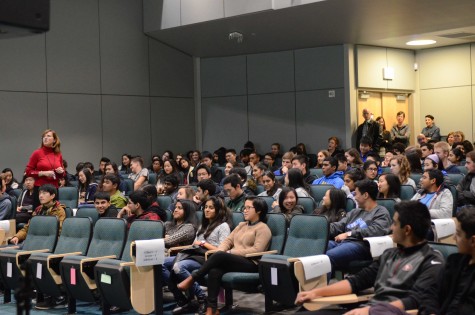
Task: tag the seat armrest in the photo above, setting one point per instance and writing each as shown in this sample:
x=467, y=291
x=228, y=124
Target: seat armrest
x=9, y=247
x=258, y=254
x=127, y=264
x=343, y=299
x=22, y=256
x=87, y=269
x=176, y=249
x=52, y=265
x=292, y=260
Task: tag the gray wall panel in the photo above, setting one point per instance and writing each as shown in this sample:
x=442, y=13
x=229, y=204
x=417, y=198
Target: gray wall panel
x=23, y=64
x=173, y=124
x=77, y=120
x=319, y=68
x=319, y=117
x=223, y=76
x=22, y=121
x=270, y=72
x=272, y=119
x=68, y=70
x=224, y=121
x=171, y=72
x=126, y=126
x=124, y=48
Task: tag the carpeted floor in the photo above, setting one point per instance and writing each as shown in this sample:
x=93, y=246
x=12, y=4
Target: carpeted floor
x=244, y=304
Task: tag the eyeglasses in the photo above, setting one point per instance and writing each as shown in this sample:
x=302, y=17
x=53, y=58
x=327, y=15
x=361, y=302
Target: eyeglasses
x=248, y=208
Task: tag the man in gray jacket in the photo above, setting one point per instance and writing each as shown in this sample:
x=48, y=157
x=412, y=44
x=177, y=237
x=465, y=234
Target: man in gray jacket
x=435, y=195
x=346, y=236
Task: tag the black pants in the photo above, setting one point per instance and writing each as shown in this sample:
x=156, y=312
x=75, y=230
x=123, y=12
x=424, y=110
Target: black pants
x=216, y=266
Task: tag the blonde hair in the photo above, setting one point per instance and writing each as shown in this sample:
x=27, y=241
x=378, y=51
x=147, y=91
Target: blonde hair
x=404, y=167
x=442, y=145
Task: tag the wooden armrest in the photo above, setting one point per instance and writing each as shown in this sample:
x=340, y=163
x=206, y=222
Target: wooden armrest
x=210, y=252
x=84, y=270
x=56, y=256
x=24, y=255
x=54, y=270
x=260, y=253
x=10, y=247
x=90, y=259
x=29, y=252
x=176, y=249
x=343, y=299
x=292, y=260
x=127, y=264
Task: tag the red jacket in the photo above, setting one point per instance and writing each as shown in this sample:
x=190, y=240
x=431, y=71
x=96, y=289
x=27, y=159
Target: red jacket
x=44, y=159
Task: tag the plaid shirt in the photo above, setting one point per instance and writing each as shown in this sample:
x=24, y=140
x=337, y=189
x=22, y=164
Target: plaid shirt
x=147, y=215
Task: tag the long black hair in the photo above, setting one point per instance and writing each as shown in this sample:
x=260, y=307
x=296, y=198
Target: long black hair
x=296, y=179
x=337, y=204
x=223, y=214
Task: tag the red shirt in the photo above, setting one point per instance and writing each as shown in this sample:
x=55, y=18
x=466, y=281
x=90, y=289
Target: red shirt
x=44, y=159
x=147, y=215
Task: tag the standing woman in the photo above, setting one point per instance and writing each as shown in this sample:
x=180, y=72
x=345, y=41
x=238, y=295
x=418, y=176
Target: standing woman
x=46, y=163
x=248, y=237
x=385, y=134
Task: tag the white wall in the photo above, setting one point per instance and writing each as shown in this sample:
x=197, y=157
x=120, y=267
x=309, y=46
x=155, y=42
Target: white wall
x=95, y=78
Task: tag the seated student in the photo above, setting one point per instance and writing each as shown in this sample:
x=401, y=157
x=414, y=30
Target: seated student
x=10, y=182
x=170, y=167
x=369, y=219
x=187, y=170
x=389, y=186
x=402, y=277
x=216, y=173
x=321, y=155
x=102, y=202
x=258, y=172
x=110, y=184
x=111, y=168
x=49, y=206
x=350, y=178
x=442, y=150
x=294, y=179
x=456, y=156
x=237, y=196
x=401, y=168
x=301, y=162
x=427, y=149
x=342, y=162
x=288, y=203
x=25, y=201
x=333, y=146
x=330, y=175
x=272, y=187
x=334, y=205
x=248, y=185
x=269, y=161
x=456, y=294
x=370, y=169
x=365, y=148
x=248, y=237
x=466, y=187
x=137, y=208
x=434, y=195
x=5, y=200
x=215, y=226
x=102, y=167
x=138, y=174
x=86, y=185
x=353, y=158
x=203, y=172
x=151, y=193
x=286, y=164
x=206, y=189
x=432, y=162
x=170, y=188
x=182, y=229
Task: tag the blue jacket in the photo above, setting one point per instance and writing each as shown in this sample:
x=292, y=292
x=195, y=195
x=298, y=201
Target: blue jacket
x=334, y=179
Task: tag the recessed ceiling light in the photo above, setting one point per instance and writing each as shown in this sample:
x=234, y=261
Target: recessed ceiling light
x=421, y=42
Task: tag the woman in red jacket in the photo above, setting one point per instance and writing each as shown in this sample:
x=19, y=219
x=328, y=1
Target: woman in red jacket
x=46, y=163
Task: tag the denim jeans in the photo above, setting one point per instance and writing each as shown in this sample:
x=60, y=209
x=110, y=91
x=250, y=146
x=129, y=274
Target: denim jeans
x=342, y=253
x=180, y=272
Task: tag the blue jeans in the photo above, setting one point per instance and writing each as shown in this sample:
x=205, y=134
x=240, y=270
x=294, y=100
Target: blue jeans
x=172, y=275
x=342, y=253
